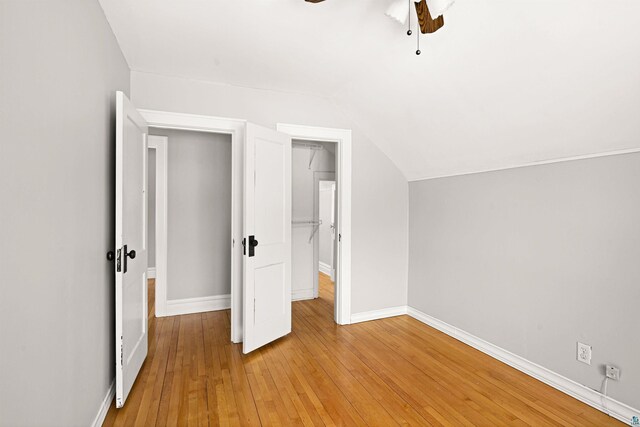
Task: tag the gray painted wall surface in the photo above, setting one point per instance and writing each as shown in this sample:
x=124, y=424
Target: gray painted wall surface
x=534, y=259
x=151, y=209
x=59, y=67
x=379, y=238
x=199, y=216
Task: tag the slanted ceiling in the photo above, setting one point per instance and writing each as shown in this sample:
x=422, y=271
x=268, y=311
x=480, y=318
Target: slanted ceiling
x=504, y=83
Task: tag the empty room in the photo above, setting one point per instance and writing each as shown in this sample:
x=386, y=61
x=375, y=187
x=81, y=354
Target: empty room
x=319, y=213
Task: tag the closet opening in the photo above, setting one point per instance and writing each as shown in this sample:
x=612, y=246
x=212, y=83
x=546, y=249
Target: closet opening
x=314, y=208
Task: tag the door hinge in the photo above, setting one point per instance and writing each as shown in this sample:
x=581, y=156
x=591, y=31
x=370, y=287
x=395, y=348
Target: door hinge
x=339, y=237
x=121, y=353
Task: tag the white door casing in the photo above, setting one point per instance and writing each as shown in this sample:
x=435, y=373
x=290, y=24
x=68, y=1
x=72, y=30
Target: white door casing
x=131, y=246
x=235, y=128
x=267, y=222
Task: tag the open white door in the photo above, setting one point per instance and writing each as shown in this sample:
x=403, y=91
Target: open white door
x=267, y=231
x=131, y=245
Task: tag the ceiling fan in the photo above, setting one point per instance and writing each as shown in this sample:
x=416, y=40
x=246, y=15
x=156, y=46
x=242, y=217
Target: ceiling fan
x=425, y=10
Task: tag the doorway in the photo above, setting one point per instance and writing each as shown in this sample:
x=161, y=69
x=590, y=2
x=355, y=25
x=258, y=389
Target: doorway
x=313, y=166
x=338, y=143
x=193, y=272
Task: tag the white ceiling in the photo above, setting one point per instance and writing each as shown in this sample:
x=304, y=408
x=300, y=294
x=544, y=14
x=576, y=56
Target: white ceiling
x=504, y=83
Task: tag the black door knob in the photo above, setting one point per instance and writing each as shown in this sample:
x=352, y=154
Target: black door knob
x=252, y=244
x=131, y=254
x=110, y=256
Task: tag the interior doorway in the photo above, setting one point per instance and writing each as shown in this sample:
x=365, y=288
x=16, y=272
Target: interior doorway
x=313, y=218
x=189, y=205
x=337, y=168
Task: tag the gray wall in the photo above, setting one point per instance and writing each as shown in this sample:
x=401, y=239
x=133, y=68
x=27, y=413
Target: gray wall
x=379, y=236
x=151, y=209
x=59, y=67
x=199, y=216
x=534, y=259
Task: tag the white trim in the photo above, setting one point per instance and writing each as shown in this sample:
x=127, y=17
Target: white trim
x=235, y=128
x=584, y=394
x=324, y=268
x=378, y=314
x=177, y=307
x=537, y=163
x=151, y=273
x=105, y=405
x=342, y=137
x=302, y=294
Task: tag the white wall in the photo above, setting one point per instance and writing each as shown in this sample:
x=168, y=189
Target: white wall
x=60, y=66
x=303, y=269
x=199, y=213
x=380, y=241
x=535, y=259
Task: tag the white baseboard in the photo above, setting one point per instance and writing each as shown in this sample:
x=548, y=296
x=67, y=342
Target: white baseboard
x=104, y=407
x=302, y=294
x=151, y=273
x=197, y=305
x=324, y=268
x=378, y=314
x=584, y=394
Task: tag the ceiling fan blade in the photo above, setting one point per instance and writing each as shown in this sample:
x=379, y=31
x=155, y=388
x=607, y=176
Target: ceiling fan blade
x=427, y=24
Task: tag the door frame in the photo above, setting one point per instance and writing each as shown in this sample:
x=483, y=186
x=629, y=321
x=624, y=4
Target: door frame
x=236, y=129
x=160, y=144
x=342, y=138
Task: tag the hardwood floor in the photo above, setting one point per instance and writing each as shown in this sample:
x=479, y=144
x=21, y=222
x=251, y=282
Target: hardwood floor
x=381, y=373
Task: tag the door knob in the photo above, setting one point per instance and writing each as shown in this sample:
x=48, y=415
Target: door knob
x=110, y=256
x=252, y=244
x=127, y=254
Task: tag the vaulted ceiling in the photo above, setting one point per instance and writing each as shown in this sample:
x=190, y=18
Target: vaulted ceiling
x=504, y=83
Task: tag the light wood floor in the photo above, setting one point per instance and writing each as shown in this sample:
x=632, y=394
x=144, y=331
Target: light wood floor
x=380, y=373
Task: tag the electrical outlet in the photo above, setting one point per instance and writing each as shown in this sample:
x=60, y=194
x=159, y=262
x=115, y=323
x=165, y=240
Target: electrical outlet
x=584, y=353
x=613, y=372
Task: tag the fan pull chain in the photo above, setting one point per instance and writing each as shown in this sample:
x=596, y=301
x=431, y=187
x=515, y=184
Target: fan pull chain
x=418, y=38
x=409, y=23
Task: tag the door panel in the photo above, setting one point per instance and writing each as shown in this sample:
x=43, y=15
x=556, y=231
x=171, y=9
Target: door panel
x=267, y=220
x=131, y=245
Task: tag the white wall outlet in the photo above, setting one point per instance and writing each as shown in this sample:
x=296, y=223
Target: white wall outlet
x=584, y=353
x=613, y=372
